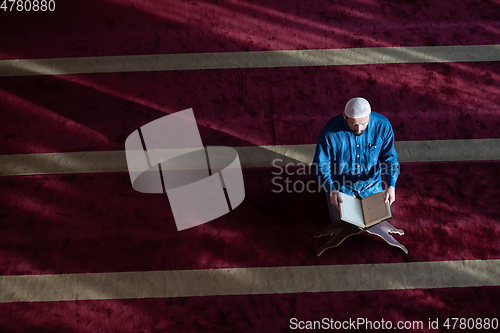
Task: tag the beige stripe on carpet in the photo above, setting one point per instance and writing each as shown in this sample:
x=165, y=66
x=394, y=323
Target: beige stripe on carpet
x=252, y=59
x=249, y=281
x=256, y=156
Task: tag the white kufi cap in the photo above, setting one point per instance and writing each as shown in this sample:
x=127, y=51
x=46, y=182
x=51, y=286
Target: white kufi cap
x=357, y=107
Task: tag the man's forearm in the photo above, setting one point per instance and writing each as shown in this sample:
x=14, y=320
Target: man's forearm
x=390, y=170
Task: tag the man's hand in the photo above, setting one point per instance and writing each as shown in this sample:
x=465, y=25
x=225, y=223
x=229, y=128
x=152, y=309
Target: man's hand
x=390, y=194
x=335, y=199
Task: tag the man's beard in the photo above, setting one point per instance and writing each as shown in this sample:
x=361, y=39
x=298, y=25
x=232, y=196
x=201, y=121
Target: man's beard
x=358, y=134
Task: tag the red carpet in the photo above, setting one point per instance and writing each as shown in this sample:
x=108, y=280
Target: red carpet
x=97, y=223
x=96, y=28
x=247, y=107
x=250, y=313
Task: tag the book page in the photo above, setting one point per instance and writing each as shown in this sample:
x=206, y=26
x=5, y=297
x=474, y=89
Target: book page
x=350, y=210
x=375, y=209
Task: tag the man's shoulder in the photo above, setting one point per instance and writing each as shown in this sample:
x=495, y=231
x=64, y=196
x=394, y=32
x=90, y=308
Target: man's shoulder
x=333, y=131
x=379, y=118
x=380, y=121
x=381, y=128
x=334, y=124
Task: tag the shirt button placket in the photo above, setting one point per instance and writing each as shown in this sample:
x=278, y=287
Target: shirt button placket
x=359, y=168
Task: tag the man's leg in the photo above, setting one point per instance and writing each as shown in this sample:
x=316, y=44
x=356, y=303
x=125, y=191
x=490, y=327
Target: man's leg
x=338, y=229
x=334, y=212
x=334, y=217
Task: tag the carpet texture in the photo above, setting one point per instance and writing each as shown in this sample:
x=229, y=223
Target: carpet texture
x=247, y=107
x=97, y=223
x=97, y=28
x=251, y=313
x=85, y=223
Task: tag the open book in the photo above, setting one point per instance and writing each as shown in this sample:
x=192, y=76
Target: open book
x=365, y=212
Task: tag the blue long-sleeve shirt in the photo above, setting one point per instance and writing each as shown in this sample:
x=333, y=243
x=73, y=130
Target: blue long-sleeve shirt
x=353, y=164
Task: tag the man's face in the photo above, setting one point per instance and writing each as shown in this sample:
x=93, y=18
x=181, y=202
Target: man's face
x=357, y=125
